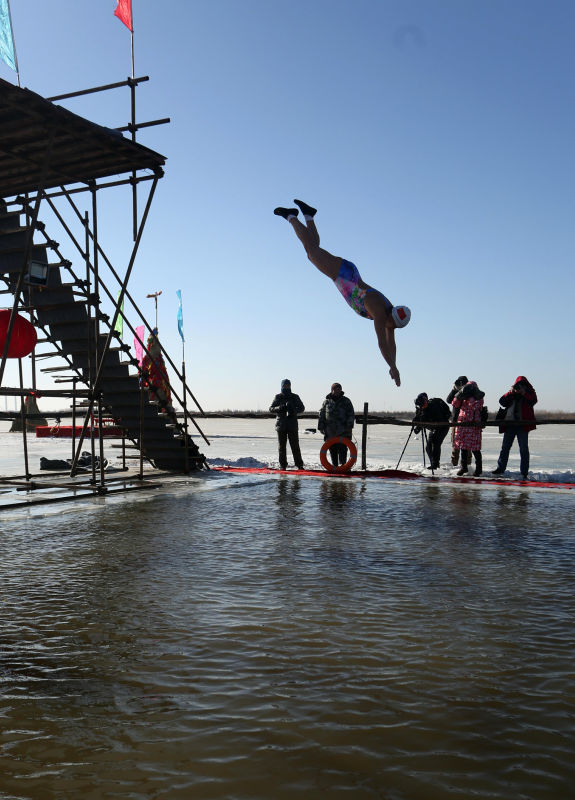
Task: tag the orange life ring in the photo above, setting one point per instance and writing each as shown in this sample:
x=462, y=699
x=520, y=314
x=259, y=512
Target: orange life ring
x=342, y=467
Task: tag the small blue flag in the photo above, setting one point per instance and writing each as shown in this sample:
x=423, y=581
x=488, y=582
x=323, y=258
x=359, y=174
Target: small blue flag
x=7, y=52
x=180, y=315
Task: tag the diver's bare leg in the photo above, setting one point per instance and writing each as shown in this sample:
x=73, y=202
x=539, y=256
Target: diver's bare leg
x=308, y=233
x=320, y=258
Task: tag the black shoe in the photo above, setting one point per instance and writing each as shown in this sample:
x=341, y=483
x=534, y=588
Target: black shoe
x=305, y=209
x=524, y=476
x=497, y=471
x=286, y=212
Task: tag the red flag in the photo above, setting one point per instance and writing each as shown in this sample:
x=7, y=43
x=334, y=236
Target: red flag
x=124, y=13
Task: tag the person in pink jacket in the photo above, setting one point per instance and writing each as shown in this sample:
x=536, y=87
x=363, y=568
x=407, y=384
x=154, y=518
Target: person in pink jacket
x=469, y=401
x=519, y=402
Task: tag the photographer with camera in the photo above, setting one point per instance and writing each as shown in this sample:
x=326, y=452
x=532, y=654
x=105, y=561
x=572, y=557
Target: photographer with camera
x=434, y=410
x=287, y=406
x=519, y=402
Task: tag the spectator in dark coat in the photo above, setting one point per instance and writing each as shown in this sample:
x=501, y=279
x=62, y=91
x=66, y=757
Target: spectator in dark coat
x=287, y=406
x=519, y=402
x=336, y=418
x=434, y=410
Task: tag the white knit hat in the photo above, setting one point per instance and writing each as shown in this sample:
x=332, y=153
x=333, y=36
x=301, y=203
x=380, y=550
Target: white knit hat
x=401, y=316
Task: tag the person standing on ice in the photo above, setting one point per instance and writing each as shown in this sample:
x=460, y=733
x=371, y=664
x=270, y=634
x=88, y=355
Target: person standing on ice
x=364, y=299
x=469, y=401
x=458, y=384
x=518, y=402
x=287, y=405
x=336, y=418
x=432, y=410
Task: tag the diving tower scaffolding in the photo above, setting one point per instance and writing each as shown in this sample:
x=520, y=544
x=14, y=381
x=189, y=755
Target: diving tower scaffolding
x=48, y=155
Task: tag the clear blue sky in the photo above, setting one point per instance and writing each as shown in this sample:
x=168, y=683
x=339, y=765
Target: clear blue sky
x=436, y=139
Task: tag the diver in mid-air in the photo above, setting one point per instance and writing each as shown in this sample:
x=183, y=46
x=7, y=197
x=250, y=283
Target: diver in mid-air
x=364, y=299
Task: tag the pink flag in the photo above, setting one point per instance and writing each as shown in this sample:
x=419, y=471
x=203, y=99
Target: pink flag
x=138, y=343
x=124, y=13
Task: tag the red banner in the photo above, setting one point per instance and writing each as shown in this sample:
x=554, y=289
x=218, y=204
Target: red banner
x=124, y=13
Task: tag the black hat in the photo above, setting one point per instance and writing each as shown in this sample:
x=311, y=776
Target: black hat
x=421, y=399
x=461, y=381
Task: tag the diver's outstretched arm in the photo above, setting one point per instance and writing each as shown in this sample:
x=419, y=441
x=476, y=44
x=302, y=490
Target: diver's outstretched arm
x=386, y=342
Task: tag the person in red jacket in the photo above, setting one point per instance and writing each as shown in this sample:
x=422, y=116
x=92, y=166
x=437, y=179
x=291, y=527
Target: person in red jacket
x=155, y=374
x=519, y=402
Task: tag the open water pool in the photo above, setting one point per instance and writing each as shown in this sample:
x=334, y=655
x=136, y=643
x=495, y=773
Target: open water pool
x=256, y=637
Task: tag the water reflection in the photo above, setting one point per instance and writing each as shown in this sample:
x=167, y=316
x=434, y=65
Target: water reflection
x=337, y=492
x=288, y=490
x=288, y=506
x=514, y=506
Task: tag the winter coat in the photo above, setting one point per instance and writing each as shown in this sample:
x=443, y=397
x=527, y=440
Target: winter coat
x=336, y=417
x=436, y=410
x=519, y=406
x=469, y=401
x=287, y=406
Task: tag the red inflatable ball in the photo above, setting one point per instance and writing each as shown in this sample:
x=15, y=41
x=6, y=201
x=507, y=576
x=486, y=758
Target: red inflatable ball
x=23, y=339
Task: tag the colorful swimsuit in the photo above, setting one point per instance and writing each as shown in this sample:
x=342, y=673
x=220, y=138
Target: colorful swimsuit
x=347, y=282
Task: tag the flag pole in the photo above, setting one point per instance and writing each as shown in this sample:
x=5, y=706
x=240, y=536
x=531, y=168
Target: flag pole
x=155, y=295
x=185, y=409
x=186, y=439
x=133, y=107
x=184, y=402
x=125, y=14
x=132, y=41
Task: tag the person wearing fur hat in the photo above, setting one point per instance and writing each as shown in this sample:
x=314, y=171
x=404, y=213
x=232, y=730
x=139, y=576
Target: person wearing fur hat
x=287, y=405
x=364, y=299
x=519, y=402
x=469, y=402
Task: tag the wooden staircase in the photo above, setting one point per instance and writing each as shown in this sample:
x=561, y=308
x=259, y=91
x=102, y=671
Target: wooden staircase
x=64, y=314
